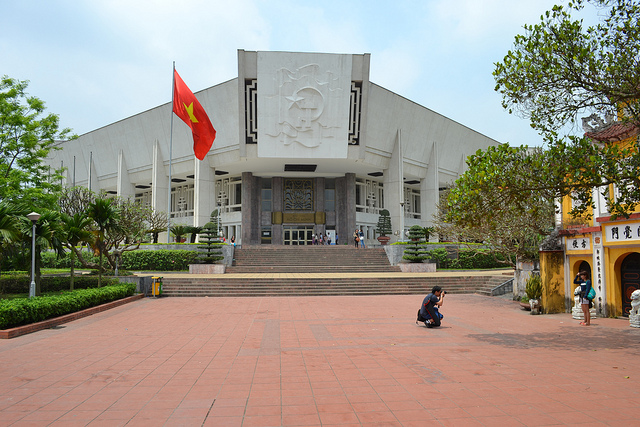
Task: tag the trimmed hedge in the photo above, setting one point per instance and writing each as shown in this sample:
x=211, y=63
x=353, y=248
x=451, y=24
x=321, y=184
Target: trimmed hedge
x=22, y=311
x=19, y=284
x=160, y=260
x=464, y=259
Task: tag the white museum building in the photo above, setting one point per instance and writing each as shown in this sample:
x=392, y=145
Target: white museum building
x=305, y=144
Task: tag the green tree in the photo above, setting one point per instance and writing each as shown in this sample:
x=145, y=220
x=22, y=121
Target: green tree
x=193, y=232
x=128, y=227
x=9, y=227
x=27, y=135
x=178, y=231
x=75, y=229
x=560, y=69
x=103, y=212
x=483, y=207
x=156, y=223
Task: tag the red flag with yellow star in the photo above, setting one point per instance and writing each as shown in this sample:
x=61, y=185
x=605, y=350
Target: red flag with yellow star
x=187, y=107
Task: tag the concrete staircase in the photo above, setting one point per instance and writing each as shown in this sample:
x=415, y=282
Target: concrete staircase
x=317, y=270
x=299, y=286
x=310, y=259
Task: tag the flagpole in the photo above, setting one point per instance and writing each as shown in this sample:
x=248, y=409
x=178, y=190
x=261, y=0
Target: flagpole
x=173, y=85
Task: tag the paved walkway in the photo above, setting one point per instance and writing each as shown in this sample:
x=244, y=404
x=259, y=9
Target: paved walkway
x=321, y=361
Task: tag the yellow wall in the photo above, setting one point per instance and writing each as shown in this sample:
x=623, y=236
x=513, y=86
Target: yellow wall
x=574, y=267
x=587, y=219
x=614, y=257
x=552, y=274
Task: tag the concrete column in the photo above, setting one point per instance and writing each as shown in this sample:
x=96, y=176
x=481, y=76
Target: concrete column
x=346, y=206
x=430, y=191
x=123, y=183
x=159, y=181
x=250, y=210
x=319, y=202
x=394, y=188
x=93, y=183
x=203, y=192
x=277, y=205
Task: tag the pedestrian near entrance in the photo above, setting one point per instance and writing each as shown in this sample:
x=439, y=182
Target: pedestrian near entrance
x=361, y=239
x=356, y=238
x=582, y=279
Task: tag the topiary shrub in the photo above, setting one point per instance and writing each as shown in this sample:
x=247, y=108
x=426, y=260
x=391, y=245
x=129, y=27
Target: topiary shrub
x=384, y=223
x=211, y=244
x=414, y=253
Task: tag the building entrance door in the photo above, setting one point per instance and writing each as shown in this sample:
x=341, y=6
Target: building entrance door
x=630, y=272
x=298, y=235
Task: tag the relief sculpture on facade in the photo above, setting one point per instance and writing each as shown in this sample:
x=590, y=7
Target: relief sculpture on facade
x=308, y=103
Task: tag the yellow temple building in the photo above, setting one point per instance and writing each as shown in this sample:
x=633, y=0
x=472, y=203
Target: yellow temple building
x=608, y=248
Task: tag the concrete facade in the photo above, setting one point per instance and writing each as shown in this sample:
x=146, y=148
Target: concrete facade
x=305, y=144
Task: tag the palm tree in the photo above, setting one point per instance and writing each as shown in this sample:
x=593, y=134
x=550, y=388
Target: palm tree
x=178, y=231
x=9, y=229
x=106, y=217
x=193, y=231
x=75, y=229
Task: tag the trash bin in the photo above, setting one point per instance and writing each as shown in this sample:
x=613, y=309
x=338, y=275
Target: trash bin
x=156, y=286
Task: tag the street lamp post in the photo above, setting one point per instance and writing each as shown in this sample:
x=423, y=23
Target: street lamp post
x=33, y=217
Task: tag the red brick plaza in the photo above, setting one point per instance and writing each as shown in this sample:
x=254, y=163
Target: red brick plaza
x=321, y=361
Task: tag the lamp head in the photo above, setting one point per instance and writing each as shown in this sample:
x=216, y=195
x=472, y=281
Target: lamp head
x=34, y=216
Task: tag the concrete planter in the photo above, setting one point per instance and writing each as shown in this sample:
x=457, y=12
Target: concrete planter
x=418, y=267
x=207, y=268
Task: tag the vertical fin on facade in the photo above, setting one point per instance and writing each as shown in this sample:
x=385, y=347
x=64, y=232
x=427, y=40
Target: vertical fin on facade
x=251, y=110
x=355, y=110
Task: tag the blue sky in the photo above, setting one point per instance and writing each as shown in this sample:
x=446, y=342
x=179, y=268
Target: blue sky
x=96, y=62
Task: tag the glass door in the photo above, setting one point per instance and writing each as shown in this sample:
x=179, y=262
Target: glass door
x=298, y=235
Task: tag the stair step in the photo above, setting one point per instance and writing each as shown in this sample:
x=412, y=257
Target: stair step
x=318, y=260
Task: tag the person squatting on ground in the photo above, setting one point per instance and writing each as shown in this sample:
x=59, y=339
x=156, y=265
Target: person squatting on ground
x=582, y=279
x=429, y=311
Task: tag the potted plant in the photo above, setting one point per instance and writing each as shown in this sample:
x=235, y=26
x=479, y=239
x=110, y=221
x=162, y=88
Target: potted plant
x=384, y=227
x=533, y=290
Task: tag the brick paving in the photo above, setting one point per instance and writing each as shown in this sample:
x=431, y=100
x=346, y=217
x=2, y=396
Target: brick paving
x=321, y=361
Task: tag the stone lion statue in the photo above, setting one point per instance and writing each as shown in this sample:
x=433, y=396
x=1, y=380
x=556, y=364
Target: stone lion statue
x=635, y=303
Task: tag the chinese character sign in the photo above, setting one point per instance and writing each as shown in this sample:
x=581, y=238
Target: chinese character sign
x=623, y=233
x=579, y=244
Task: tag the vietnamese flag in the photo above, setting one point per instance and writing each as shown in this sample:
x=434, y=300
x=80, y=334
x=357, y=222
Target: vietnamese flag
x=187, y=107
